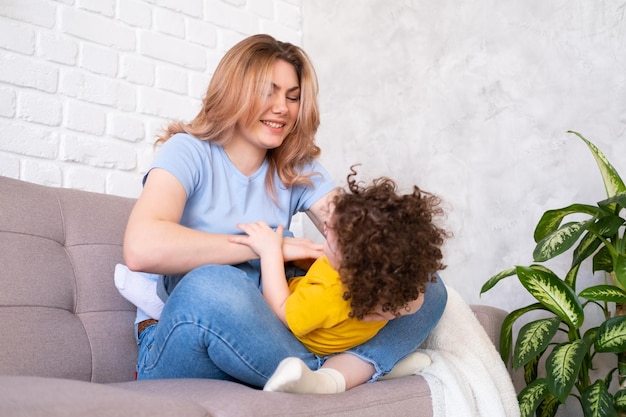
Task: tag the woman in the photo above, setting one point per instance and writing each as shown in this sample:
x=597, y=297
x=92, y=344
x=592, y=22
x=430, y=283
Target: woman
x=249, y=155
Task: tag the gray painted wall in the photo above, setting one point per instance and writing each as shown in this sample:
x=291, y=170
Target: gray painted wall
x=471, y=100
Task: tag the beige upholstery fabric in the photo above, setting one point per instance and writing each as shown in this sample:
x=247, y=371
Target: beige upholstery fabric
x=491, y=319
x=60, y=314
x=408, y=396
x=42, y=397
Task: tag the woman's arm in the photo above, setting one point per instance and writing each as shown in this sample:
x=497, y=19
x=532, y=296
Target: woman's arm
x=156, y=242
x=321, y=210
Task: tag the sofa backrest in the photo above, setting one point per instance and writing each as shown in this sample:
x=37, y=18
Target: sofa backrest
x=60, y=313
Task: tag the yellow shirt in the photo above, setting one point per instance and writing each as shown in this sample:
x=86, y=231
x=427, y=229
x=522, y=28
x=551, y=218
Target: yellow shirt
x=317, y=314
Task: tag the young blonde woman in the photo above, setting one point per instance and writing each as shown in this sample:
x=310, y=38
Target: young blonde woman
x=249, y=155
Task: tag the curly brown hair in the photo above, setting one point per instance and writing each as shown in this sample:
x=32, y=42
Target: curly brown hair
x=389, y=244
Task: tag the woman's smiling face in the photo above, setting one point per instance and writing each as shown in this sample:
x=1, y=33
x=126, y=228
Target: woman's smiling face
x=280, y=111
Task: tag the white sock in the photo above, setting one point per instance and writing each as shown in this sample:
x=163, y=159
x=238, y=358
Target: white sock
x=140, y=289
x=292, y=375
x=412, y=364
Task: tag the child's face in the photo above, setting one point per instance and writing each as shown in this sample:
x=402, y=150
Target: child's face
x=330, y=247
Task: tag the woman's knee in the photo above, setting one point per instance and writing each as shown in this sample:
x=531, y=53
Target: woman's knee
x=211, y=278
x=436, y=296
x=214, y=285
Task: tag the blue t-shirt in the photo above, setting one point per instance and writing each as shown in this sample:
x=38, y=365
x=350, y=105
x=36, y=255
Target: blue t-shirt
x=219, y=196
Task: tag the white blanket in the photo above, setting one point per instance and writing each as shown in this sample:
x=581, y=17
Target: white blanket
x=467, y=377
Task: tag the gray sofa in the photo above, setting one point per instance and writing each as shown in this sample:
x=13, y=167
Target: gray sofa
x=66, y=336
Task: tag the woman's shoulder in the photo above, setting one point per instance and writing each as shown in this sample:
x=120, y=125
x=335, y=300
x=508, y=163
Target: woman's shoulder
x=188, y=158
x=312, y=165
x=186, y=144
x=185, y=139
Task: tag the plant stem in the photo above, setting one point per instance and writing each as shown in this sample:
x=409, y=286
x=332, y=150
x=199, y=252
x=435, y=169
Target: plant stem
x=620, y=310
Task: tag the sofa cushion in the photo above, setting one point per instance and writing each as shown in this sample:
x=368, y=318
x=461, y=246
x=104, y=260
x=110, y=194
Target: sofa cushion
x=396, y=397
x=22, y=396
x=60, y=313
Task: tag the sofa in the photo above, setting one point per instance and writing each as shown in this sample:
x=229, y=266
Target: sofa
x=67, y=346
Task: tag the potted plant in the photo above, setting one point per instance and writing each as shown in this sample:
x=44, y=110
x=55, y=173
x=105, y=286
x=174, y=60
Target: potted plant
x=555, y=352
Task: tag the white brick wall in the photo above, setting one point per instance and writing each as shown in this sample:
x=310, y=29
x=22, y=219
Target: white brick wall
x=86, y=84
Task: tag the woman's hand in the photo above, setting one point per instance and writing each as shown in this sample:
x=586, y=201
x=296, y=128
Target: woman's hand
x=295, y=249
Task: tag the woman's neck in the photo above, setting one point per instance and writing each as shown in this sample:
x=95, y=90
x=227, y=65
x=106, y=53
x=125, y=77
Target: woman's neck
x=247, y=159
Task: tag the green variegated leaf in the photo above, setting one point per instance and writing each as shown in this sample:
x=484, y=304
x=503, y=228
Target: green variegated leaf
x=553, y=294
x=609, y=203
x=532, y=339
x=602, y=260
x=606, y=226
x=587, y=247
x=608, y=379
x=619, y=399
x=590, y=335
x=559, y=241
x=609, y=293
x=563, y=366
x=597, y=401
x=530, y=369
x=548, y=406
x=551, y=219
x=506, y=331
x=491, y=282
x=619, y=243
x=531, y=396
x=539, y=267
x=495, y=279
x=611, y=336
x=613, y=184
x=570, y=278
x=619, y=268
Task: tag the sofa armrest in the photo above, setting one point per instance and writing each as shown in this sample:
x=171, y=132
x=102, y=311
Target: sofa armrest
x=491, y=318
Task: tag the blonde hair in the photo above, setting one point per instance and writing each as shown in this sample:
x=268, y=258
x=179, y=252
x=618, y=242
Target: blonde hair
x=236, y=92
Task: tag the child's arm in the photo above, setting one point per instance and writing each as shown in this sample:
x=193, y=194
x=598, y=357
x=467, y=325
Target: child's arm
x=267, y=244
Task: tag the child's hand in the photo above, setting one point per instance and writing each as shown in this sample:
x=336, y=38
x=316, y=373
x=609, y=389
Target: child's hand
x=261, y=238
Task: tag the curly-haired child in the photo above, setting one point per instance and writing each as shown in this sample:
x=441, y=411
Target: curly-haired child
x=382, y=250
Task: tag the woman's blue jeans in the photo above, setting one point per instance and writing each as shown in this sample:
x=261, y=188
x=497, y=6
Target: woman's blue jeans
x=216, y=324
